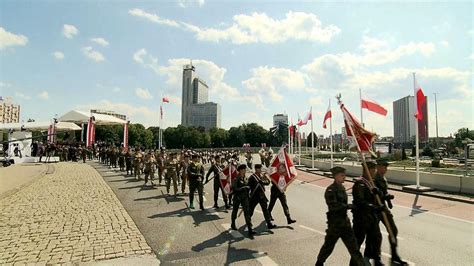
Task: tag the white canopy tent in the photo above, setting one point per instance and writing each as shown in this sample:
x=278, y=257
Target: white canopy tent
x=41, y=126
x=81, y=117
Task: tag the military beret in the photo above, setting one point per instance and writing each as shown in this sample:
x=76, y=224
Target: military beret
x=371, y=164
x=242, y=166
x=382, y=161
x=337, y=170
x=195, y=156
x=258, y=166
x=217, y=157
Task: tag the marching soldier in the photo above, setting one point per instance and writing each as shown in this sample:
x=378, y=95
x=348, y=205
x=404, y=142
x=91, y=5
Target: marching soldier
x=184, y=171
x=137, y=161
x=128, y=162
x=161, y=164
x=121, y=160
x=257, y=183
x=171, y=173
x=240, y=189
x=196, y=174
x=339, y=225
x=381, y=183
x=150, y=164
x=216, y=168
x=249, y=159
x=276, y=193
x=366, y=216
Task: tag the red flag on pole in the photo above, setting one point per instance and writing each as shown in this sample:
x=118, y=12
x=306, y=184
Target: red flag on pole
x=308, y=117
x=327, y=116
x=282, y=170
x=357, y=133
x=420, y=101
x=90, y=132
x=166, y=100
x=373, y=106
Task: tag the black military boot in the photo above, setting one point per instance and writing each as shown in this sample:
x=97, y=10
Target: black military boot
x=251, y=232
x=378, y=261
x=270, y=225
x=233, y=227
x=319, y=263
x=290, y=221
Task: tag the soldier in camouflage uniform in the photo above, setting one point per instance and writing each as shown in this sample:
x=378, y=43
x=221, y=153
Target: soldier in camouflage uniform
x=150, y=165
x=338, y=222
x=137, y=161
x=171, y=173
x=196, y=174
x=161, y=164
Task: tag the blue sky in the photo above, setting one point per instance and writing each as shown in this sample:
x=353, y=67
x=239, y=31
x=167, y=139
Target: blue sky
x=259, y=58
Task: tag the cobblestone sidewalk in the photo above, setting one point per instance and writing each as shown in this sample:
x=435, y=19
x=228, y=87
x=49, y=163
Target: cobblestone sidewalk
x=71, y=215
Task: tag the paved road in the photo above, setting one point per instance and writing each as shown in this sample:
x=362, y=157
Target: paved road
x=432, y=231
x=68, y=215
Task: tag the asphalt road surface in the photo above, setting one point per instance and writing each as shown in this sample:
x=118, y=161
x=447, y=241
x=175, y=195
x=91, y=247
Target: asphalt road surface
x=431, y=231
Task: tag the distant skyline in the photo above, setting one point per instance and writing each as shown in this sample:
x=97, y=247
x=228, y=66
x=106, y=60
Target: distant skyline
x=258, y=58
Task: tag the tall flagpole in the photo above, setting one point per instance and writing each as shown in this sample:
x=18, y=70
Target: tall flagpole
x=330, y=136
x=289, y=137
x=312, y=139
x=360, y=105
x=417, y=141
x=299, y=144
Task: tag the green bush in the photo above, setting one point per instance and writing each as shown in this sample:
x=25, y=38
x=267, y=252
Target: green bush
x=435, y=163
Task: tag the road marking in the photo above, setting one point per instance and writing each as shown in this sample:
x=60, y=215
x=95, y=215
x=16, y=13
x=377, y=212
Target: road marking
x=263, y=259
x=312, y=230
x=362, y=246
x=436, y=214
x=234, y=233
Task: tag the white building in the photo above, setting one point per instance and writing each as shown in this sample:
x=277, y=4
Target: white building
x=9, y=112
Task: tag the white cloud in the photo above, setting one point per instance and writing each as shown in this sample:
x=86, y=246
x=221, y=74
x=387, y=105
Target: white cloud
x=143, y=94
x=100, y=41
x=69, y=31
x=92, y=54
x=255, y=28
x=8, y=39
x=44, y=95
x=152, y=17
x=444, y=43
x=269, y=81
x=5, y=84
x=186, y=3
x=116, y=89
x=22, y=96
x=138, y=56
x=471, y=56
x=260, y=28
x=58, y=55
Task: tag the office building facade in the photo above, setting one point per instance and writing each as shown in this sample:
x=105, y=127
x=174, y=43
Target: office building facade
x=9, y=112
x=196, y=110
x=280, y=118
x=404, y=121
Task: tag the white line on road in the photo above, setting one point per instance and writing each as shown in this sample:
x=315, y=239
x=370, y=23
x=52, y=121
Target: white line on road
x=363, y=246
x=264, y=259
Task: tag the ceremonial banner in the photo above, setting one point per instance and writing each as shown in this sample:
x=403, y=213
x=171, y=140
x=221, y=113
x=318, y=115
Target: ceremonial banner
x=282, y=170
x=419, y=102
x=357, y=133
x=327, y=116
x=227, y=176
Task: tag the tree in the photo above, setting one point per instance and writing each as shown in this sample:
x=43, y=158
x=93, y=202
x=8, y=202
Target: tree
x=309, y=139
x=254, y=134
x=219, y=137
x=236, y=137
x=404, y=154
x=461, y=135
x=110, y=134
x=156, y=135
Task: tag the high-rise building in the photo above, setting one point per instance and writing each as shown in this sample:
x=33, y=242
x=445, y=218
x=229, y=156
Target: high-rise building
x=9, y=112
x=195, y=109
x=404, y=121
x=112, y=113
x=280, y=118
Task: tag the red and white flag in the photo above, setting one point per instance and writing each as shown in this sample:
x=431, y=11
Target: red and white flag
x=308, y=117
x=357, y=133
x=327, y=116
x=125, y=136
x=373, y=106
x=227, y=176
x=51, y=132
x=90, y=132
x=166, y=100
x=282, y=170
x=420, y=100
x=292, y=130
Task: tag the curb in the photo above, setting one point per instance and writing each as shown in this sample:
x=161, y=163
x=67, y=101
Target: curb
x=48, y=169
x=405, y=191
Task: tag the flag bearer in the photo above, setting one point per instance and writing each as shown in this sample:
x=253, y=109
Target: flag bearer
x=339, y=225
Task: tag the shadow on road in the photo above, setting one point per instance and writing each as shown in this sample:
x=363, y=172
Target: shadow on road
x=198, y=216
x=416, y=209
